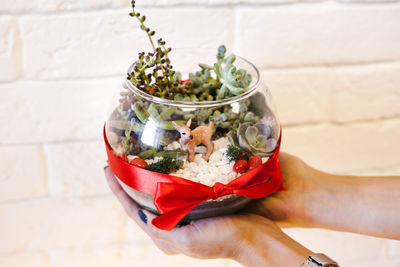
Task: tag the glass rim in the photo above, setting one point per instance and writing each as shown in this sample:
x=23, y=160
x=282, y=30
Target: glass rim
x=197, y=104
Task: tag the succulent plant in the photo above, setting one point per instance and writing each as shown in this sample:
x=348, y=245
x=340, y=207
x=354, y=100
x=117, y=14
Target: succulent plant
x=253, y=138
x=227, y=118
x=234, y=81
x=154, y=74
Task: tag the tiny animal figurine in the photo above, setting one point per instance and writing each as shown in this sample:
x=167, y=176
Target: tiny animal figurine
x=191, y=139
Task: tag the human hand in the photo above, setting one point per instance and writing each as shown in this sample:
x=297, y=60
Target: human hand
x=247, y=238
x=293, y=206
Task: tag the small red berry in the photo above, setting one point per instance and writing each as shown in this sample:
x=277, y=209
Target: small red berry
x=254, y=162
x=185, y=81
x=139, y=162
x=240, y=166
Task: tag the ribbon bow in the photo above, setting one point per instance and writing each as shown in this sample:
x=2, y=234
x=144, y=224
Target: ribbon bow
x=174, y=200
x=175, y=197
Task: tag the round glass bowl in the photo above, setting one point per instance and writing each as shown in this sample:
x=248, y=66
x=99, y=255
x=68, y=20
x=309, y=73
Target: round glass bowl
x=156, y=129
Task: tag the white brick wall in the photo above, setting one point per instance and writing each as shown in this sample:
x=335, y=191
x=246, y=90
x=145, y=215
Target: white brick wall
x=318, y=33
x=22, y=179
x=10, y=46
x=333, y=69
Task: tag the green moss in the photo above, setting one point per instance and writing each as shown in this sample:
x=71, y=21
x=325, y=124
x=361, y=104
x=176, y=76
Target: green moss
x=235, y=153
x=165, y=165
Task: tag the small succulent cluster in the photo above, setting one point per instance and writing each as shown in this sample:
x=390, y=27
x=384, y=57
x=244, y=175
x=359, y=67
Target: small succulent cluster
x=253, y=138
x=227, y=118
x=154, y=74
x=235, y=81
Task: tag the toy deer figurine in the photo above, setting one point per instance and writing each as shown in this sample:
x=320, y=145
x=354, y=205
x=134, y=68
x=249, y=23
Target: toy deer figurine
x=191, y=139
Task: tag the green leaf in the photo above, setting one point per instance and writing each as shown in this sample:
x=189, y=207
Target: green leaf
x=241, y=73
x=177, y=77
x=222, y=49
x=166, y=113
x=140, y=112
x=153, y=111
x=230, y=59
x=235, y=90
x=147, y=153
x=230, y=75
x=123, y=125
x=173, y=154
x=218, y=70
x=261, y=141
x=178, y=97
x=205, y=66
x=167, y=125
x=222, y=92
x=251, y=134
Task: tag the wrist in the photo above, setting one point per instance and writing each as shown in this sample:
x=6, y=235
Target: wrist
x=321, y=198
x=270, y=248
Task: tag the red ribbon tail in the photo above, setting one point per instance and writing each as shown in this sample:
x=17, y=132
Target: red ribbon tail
x=168, y=220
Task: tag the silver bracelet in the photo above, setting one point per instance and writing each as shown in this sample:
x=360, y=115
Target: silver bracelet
x=319, y=260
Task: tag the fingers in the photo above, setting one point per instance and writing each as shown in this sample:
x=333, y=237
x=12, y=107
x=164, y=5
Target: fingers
x=175, y=236
x=167, y=248
x=130, y=206
x=142, y=217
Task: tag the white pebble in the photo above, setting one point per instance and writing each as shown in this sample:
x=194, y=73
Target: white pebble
x=221, y=143
x=176, y=145
x=265, y=159
x=197, y=158
x=187, y=174
x=192, y=164
x=216, y=156
x=157, y=159
x=213, y=171
x=225, y=169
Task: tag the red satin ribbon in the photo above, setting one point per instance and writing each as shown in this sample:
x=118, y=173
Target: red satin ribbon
x=175, y=197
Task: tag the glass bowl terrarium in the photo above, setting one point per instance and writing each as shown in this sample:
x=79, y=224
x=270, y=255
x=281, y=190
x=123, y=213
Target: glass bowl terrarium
x=209, y=129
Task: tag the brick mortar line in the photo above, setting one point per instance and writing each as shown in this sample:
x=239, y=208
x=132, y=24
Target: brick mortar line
x=57, y=197
x=128, y=8
x=395, y=118
x=377, y=63
x=107, y=245
x=65, y=79
x=221, y=5
x=333, y=65
x=57, y=142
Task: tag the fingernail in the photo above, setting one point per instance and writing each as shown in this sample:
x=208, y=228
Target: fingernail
x=142, y=216
x=105, y=167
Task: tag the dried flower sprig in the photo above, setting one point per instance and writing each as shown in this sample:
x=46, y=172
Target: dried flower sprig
x=154, y=74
